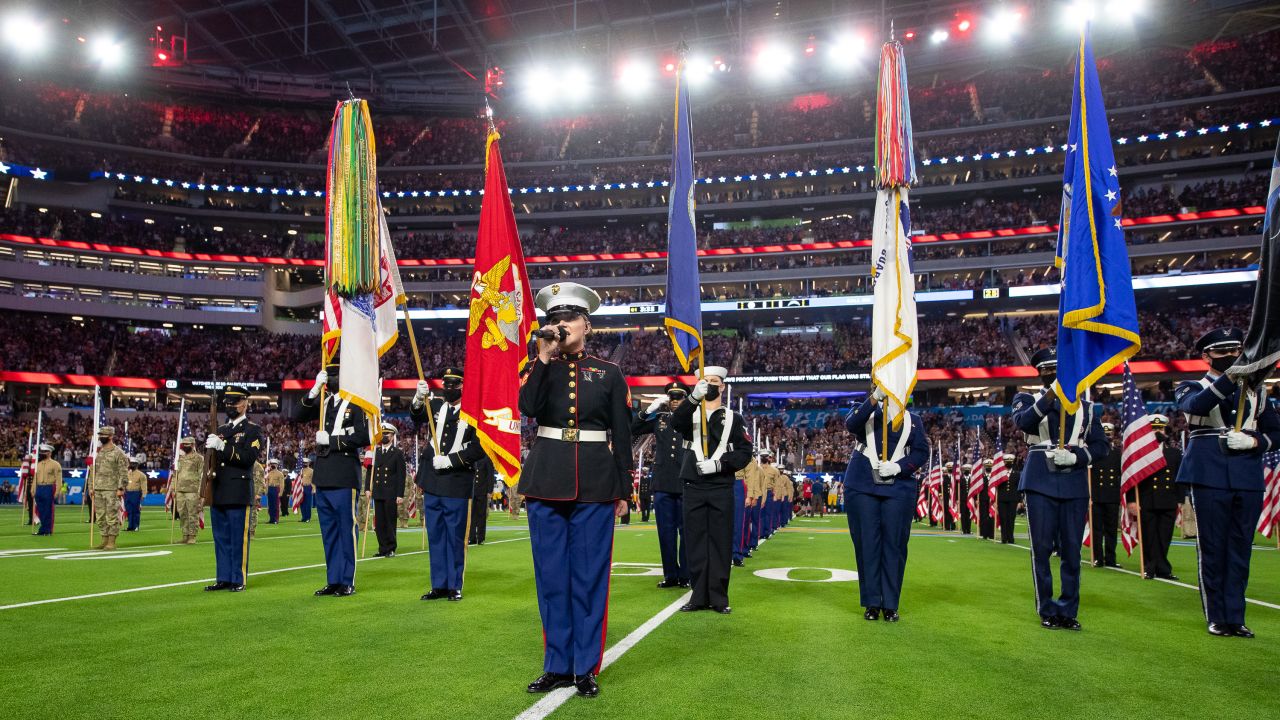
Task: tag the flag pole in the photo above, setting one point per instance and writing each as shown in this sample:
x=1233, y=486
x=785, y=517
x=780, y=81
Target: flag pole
x=1137, y=500
x=413, y=342
x=26, y=486
x=702, y=409
x=364, y=537
x=1241, y=405
x=168, y=490
x=1092, y=528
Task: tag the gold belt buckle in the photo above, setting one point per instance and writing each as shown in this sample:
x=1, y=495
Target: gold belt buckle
x=569, y=435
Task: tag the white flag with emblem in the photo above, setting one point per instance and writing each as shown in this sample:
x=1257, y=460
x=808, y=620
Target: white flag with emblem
x=894, y=343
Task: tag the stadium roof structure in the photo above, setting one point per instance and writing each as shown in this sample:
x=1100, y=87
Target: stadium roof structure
x=435, y=53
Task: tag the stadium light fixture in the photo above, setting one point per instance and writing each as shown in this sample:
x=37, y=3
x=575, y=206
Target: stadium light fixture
x=772, y=61
x=1077, y=14
x=697, y=70
x=1124, y=10
x=1003, y=25
x=25, y=34
x=540, y=87
x=107, y=52
x=964, y=25
x=939, y=36
x=846, y=51
x=577, y=84
x=634, y=78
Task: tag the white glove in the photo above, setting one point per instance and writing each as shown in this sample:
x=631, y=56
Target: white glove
x=1241, y=441
x=322, y=377
x=213, y=442
x=322, y=437
x=708, y=467
x=699, y=390
x=1063, y=457
x=878, y=395
x=421, y=393
x=657, y=404
x=441, y=462
x=889, y=468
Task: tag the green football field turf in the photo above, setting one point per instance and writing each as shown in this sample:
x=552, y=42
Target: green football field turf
x=969, y=644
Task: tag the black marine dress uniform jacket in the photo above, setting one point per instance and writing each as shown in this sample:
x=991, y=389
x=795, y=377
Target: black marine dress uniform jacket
x=458, y=481
x=737, y=454
x=233, y=483
x=337, y=465
x=577, y=391
x=668, y=452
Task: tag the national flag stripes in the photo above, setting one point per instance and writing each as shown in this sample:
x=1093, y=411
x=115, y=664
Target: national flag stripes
x=1142, y=455
x=1270, y=516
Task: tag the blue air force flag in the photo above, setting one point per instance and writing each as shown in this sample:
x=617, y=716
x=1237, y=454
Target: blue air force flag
x=1097, y=316
x=1262, y=341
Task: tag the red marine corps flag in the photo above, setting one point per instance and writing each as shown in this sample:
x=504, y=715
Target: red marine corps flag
x=499, y=326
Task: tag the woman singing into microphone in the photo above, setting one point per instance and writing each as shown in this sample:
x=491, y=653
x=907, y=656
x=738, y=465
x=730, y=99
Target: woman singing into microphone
x=575, y=479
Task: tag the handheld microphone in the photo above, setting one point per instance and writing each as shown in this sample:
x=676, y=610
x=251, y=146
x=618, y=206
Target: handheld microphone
x=552, y=333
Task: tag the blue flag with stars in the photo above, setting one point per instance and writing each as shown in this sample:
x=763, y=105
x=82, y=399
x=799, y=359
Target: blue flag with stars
x=684, y=294
x=1097, y=315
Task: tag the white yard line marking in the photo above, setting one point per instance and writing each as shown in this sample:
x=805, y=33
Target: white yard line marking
x=556, y=698
x=30, y=553
x=125, y=591
x=1172, y=582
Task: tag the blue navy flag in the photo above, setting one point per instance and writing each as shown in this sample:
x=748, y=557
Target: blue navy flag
x=1262, y=341
x=1097, y=315
x=684, y=295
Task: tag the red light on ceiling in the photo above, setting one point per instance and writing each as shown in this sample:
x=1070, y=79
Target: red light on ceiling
x=162, y=56
x=909, y=35
x=669, y=67
x=964, y=25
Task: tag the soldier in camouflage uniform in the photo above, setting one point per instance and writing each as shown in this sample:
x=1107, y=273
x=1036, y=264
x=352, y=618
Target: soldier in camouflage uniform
x=259, y=487
x=110, y=474
x=186, y=487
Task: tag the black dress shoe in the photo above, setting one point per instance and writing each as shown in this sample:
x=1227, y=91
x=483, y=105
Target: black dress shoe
x=684, y=583
x=872, y=614
x=737, y=562
x=1112, y=564
x=722, y=609
x=587, y=686
x=1049, y=623
x=547, y=682
x=1241, y=631
x=217, y=586
x=345, y=591
x=1069, y=624
x=1169, y=576
x=436, y=594
x=1221, y=630
x=236, y=588
x=669, y=584
x=891, y=616
x=454, y=595
x=391, y=553
x=327, y=590
x=1148, y=576
x=692, y=607
x=750, y=553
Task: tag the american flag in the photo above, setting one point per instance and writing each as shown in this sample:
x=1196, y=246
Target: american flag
x=184, y=430
x=922, y=499
x=127, y=447
x=935, y=490
x=1142, y=455
x=975, y=481
x=295, y=499
x=26, y=474
x=412, y=510
x=999, y=474
x=99, y=421
x=1271, y=497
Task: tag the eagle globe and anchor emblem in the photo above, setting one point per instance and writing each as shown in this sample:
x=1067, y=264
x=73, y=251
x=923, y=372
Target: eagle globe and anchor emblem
x=500, y=314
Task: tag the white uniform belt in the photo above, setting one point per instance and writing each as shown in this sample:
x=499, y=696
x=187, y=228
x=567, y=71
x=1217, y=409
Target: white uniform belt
x=572, y=434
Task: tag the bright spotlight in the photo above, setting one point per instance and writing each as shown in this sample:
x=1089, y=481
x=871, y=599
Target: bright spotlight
x=964, y=25
x=939, y=36
x=846, y=51
x=25, y=34
x=577, y=84
x=772, y=61
x=634, y=78
x=106, y=51
x=697, y=71
x=1077, y=14
x=1004, y=25
x=1124, y=9
x=540, y=87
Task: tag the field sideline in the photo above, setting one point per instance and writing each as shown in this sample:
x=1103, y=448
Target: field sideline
x=90, y=637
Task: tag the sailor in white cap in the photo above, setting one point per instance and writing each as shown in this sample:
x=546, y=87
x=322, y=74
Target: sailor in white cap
x=575, y=480
x=719, y=447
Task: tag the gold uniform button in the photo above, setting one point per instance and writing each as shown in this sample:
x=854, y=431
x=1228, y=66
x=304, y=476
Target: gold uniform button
x=573, y=409
x=573, y=383
x=573, y=366
x=573, y=396
x=571, y=423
